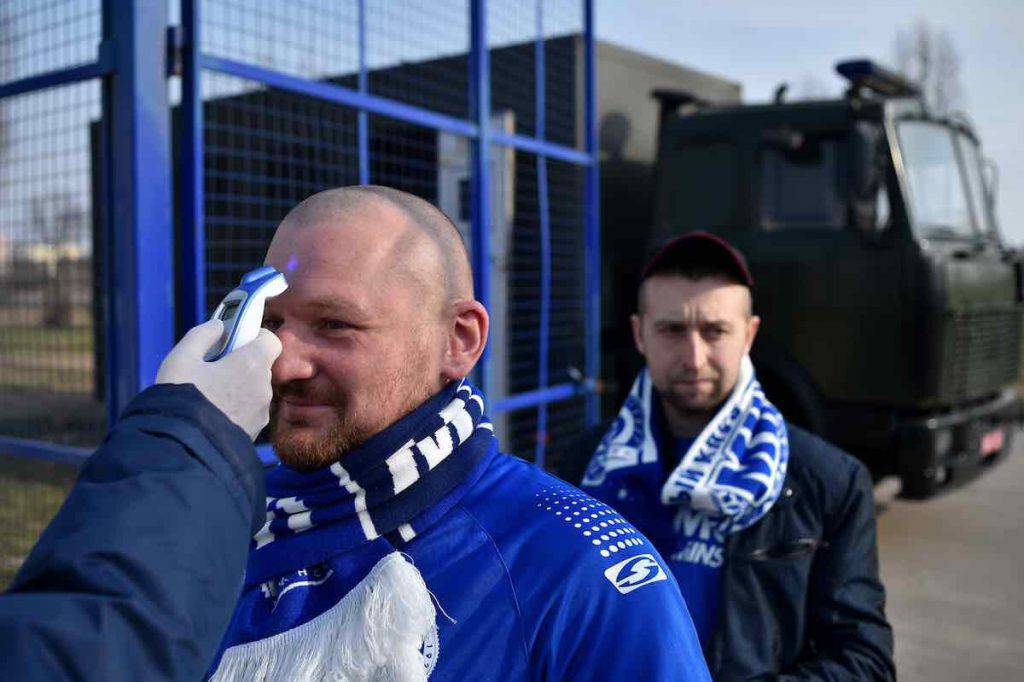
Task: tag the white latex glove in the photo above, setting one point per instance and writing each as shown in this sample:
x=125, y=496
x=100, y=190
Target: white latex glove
x=238, y=383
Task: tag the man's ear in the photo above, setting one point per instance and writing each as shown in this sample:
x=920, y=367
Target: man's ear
x=467, y=336
x=753, y=324
x=638, y=338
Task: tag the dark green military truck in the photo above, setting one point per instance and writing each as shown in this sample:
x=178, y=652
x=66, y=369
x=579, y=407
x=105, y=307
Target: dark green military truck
x=891, y=308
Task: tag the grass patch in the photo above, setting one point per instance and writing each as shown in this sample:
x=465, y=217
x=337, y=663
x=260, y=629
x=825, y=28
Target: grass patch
x=46, y=338
x=52, y=359
x=31, y=492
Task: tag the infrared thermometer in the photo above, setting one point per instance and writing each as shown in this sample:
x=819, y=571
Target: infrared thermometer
x=241, y=311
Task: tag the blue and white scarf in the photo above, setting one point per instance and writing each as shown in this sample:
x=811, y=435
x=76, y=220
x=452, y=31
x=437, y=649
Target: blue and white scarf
x=326, y=594
x=733, y=471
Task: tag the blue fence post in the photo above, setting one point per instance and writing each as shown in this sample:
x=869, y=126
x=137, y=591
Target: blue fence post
x=544, y=326
x=363, y=118
x=480, y=103
x=139, y=227
x=192, y=241
x=592, y=239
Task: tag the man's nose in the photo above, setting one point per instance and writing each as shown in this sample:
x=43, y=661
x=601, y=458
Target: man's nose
x=296, y=361
x=694, y=352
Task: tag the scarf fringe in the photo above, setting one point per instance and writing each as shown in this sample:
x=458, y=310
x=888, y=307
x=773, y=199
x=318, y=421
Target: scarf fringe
x=376, y=632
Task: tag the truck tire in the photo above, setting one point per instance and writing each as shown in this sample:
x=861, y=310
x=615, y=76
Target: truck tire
x=917, y=485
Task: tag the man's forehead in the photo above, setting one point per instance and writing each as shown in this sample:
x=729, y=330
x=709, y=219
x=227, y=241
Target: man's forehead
x=328, y=273
x=327, y=294
x=348, y=247
x=706, y=298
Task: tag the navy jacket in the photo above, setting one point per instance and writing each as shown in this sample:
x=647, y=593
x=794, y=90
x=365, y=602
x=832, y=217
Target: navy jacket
x=805, y=578
x=137, y=575
x=800, y=598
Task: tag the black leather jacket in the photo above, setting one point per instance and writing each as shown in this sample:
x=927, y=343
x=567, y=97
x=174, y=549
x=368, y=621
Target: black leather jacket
x=801, y=598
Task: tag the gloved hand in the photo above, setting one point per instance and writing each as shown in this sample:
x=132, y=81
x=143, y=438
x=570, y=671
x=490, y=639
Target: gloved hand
x=238, y=383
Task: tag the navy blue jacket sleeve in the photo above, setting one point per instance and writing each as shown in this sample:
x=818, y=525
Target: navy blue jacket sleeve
x=138, y=573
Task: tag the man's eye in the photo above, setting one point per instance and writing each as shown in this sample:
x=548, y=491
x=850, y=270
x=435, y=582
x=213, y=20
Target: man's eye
x=334, y=325
x=713, y=333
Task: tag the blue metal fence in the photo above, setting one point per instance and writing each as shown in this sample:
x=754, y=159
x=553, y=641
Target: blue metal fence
x=81, y=140
x=52, y=60
x=485, y=108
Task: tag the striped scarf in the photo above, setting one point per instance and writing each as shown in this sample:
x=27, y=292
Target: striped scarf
x=326, y=594
x=733, y=471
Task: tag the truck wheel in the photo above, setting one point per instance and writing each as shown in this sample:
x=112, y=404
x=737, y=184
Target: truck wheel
x=918, y=485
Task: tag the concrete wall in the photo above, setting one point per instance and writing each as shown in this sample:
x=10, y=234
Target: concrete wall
x=628, y=114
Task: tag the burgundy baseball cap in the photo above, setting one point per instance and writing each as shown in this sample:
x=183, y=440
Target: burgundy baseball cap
x=700, y=248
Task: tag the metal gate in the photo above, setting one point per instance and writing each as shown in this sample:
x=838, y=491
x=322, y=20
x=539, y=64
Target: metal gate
x=144, y=168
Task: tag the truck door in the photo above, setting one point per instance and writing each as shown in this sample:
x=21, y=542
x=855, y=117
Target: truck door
x=828, y=289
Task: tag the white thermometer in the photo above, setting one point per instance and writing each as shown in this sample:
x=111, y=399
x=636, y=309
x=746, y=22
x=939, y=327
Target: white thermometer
x=241, y=311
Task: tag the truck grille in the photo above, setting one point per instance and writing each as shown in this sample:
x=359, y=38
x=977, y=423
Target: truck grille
x=985, y=352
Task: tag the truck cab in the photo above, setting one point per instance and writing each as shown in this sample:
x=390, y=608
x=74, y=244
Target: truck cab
x=891, y=309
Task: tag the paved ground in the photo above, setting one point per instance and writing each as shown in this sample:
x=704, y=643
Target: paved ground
x=954, y=570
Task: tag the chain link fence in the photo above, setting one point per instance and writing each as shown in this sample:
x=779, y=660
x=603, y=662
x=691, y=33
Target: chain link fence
x=50, y=321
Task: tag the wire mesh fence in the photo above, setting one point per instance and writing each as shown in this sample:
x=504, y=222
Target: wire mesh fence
x=50, y=360
x=416, y=53
x=37, y=36
x=265, y=150
x=315, y=39
x=31, y=492
x=51, y=355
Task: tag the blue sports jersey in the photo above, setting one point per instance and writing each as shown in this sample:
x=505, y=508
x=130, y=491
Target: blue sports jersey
x=533, y=580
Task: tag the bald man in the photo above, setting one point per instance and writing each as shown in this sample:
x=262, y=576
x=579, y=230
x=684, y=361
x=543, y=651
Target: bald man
x=400, y=544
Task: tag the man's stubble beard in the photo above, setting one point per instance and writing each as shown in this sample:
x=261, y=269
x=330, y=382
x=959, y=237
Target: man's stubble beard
x=694, y=416
x=685, y=408
x=309, y=453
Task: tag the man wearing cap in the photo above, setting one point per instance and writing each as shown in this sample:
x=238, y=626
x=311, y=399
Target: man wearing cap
x=769, y=530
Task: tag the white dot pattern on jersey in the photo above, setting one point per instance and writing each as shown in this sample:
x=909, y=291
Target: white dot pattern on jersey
x=606, y=531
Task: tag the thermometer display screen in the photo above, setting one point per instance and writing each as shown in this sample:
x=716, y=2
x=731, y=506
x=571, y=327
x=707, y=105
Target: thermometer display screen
x=229, y=310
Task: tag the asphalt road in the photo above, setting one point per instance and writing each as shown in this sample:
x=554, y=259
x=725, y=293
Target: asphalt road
x=954, y=571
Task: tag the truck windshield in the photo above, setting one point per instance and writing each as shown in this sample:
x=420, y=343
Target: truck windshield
x=938, y=196
x=976, y=185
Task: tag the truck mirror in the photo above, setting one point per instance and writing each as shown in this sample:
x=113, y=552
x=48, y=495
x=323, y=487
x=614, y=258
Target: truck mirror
x=864, y=157
x=866, y=174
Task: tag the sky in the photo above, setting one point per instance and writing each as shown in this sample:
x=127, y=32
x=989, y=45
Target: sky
x=760, y=44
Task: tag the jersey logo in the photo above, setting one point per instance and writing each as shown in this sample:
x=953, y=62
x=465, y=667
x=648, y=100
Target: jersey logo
x=635, y=572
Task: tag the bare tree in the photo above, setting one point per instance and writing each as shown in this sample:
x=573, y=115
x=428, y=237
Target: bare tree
x=60, y=224
x=927, y=56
